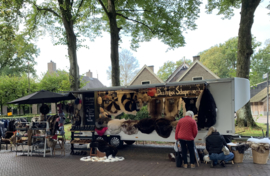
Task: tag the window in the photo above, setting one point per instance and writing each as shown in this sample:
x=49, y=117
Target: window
x=145, y=82
x=197, y=78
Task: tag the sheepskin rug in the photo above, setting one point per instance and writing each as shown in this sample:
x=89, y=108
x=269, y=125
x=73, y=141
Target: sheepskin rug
x=130, y=127
x=163, y=127
x=147, y=125
x=114, y=126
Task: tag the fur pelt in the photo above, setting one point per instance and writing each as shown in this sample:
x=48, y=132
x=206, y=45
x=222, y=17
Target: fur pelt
x=114, y=126
x=163, y=127
x=155, y=107
x=53, y=124
x=130, y=127
x=190, y=104
x=102, y=122
x=174, y=124
x=171, y=108
x=29, y=134
x=51, y=143
x=182, y=106
x=207, y=114
x=147, y=125
x=103, y=146
x=241, y=148
x=12, y=140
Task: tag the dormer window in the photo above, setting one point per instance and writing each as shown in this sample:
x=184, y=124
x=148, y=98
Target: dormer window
x=197, y=78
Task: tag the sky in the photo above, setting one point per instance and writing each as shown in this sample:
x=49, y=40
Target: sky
x=211, y=30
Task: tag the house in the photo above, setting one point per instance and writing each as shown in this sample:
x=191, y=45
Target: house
x=258, y=103
x=146, y=76
x=91, y=83
x=177, y=73
x=197, y=71
x=257, y=88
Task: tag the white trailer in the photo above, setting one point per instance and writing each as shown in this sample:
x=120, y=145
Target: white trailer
x=230, y=94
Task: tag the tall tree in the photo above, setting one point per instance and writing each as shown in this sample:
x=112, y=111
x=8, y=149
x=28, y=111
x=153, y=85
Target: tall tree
x=244, y=52
x=129, y=66
x=260, y=64
x=144, y=20
x=17, y=53
x=169, y=67
x=66, y=21
x=222, y=58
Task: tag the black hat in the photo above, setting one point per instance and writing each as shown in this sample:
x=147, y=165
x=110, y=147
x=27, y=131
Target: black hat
x=44, y=109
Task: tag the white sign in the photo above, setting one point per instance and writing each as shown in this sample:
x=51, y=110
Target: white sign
x=265, y=75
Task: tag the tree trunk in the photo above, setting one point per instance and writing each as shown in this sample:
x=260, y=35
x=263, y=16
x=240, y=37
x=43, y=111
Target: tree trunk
x=72, y=45
x=244, y=116
x=114, y=31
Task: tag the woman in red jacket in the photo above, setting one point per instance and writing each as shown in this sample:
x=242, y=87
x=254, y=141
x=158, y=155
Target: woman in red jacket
x=186, y=131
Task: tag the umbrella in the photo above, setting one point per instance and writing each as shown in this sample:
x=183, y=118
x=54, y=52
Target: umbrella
x=43, y=96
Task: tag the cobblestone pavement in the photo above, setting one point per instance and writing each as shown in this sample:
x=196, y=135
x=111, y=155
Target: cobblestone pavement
x=139, y=161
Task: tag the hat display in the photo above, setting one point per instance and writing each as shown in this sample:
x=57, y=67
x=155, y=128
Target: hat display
x=44, y=109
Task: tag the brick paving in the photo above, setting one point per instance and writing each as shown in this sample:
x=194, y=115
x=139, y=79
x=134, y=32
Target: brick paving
x=139, y=161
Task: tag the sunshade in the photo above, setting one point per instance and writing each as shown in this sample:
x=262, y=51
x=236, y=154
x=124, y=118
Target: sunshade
x=43, y=96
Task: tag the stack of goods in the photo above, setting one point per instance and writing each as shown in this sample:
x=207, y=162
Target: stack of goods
x=260, y=149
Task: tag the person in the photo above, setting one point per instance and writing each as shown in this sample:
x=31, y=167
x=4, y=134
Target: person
x=214, y=144
x=186, y=131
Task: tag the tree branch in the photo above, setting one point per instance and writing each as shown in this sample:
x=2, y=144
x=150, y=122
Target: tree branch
x=78, y=9
x=48, y=10
x=131, y=10
x=104, y=8
x=135, y=21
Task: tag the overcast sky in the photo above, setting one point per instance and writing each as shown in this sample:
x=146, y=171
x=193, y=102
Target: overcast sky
x=211, y=30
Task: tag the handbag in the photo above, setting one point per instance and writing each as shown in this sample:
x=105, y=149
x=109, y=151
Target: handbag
x=225, y=150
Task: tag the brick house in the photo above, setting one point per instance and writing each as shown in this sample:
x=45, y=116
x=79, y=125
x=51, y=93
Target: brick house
x=146, y=76
x=197, y=71
x=258, y=103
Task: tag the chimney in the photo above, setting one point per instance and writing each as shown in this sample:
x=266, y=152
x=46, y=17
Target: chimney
x=151, y=68
x=89, y=74
x=51, y=67
x=196, y=58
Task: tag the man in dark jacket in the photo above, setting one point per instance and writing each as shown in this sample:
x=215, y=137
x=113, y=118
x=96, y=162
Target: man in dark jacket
x=214, y=145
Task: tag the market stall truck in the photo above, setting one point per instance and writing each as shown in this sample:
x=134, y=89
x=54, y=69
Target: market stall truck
x=230, y=94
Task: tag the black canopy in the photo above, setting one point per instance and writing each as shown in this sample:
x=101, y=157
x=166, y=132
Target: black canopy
x=43, y=96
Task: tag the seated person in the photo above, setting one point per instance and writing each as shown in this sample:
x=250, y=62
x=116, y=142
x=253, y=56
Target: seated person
x=214, y=145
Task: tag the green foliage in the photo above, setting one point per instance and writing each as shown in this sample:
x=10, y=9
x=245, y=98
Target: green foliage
x=142, y=114
x=50, y=16
x=169, y=67
x=162, y=19
x=222, y=58
x=16, y=52
x=57, y=81
x=224, y=7
x=14, y=87
x=260, y=64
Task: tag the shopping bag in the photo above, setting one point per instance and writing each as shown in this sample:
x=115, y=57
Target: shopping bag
x=178, y=159
x=178, y=156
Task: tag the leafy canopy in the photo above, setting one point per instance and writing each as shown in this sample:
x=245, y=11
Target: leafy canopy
x=222, y=58
x=166, y=20
x=57, y=81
